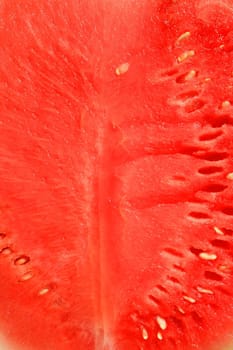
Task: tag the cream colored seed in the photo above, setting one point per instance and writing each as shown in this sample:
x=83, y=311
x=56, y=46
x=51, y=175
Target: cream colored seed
x=218, y=231
x=159, y=336
x=225, y=268
x=189, y=299
x=43, y=291
x=145, y=334
x=27, y=276
x=226, y=104
x=206, y=80
x=181, y=310
x=191, y=75
x=185, y=55
x=204, y=291
x=122, y=69
x=208, y=256
x=230, y=176
x=161, y=322
x=183, y=36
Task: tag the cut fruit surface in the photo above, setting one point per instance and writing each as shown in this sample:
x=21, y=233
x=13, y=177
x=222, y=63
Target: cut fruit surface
x=116, y=163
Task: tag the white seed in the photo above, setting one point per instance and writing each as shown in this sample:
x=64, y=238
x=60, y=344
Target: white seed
x=159, y=336
x=208, y=256
x=145, y=334
x=161, y=322
x=189, y=299
x=230, y=176
x=225, y=104
x=27, y=276
x=181, y=310
x=43, y=291
x=205, y=291
x=185, y=55
x=183, y=36
x=218, y=231
x=190, y=75
x=225, y=268
x=122, y=69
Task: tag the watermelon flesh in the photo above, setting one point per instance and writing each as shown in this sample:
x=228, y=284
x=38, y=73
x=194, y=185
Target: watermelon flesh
x=116, y=174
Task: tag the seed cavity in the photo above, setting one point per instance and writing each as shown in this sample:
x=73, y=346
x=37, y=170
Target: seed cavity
x=185, y=55
x=213, y=276
x=2, y=235
x=189, y=299
x=161, y=322
x=208, y=256
x=22, y=260
x=183, y=36
x=122, y=69
x=198, y=215
x=27, y=276
x=145, y=334
x=209, y=170
x=204, y=291
x=6, y=251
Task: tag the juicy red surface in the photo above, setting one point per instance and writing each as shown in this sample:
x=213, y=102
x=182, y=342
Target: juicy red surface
x=113, y=186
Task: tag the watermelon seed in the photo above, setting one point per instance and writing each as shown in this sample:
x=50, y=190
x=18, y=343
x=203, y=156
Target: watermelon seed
x=210, y=170
x=43, y=291
x=122, y=69
x=225, y=268
x=183, y=78
x=185, y=55
x=189, y=299
x=218, y=231
x=159, y=336
x=219, y=243
x=6, y=251
x=161, y=322
x=213, y=276
x=230, y=176
x=183, y=36
x=27, y=276
x=180, y=310
x=204, y=291
x=145, y=334
x=22, y=260
x=225, y=104
x=208, y=256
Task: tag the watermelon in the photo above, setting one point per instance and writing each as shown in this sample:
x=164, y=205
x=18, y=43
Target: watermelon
x=116, y=170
